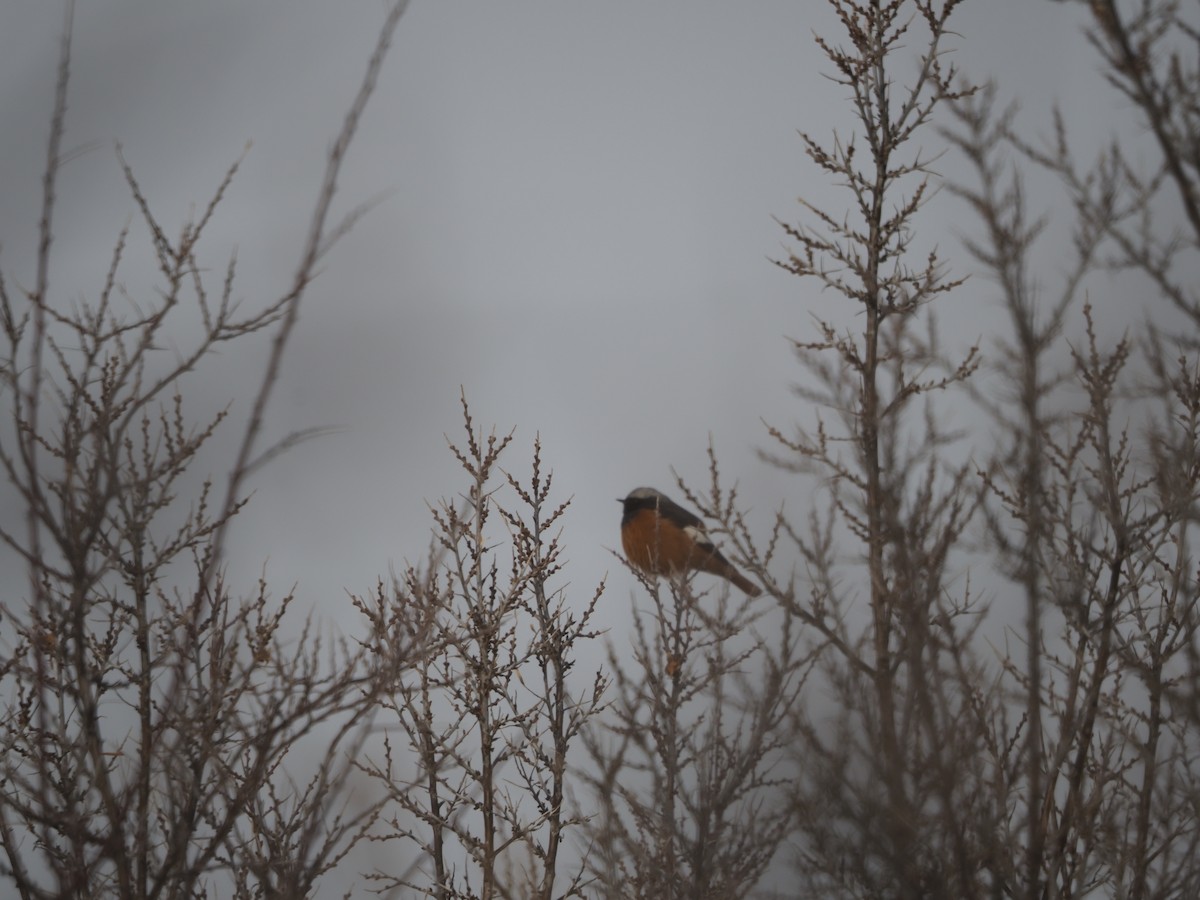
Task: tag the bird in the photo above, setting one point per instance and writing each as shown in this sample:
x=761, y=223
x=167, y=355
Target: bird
x=660, y=537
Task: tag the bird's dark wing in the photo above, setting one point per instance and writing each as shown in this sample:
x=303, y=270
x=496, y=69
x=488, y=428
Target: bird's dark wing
x=689, y=521
x=678, y=514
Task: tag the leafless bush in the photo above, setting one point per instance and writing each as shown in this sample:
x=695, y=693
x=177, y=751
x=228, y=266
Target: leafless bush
x=1052, y=760
x=488, y=718
x=1093, y=493
x=152, y=714
x=887, y=798
x=689, y=767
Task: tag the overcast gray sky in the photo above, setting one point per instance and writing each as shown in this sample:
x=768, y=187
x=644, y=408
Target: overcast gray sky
x=577, y=231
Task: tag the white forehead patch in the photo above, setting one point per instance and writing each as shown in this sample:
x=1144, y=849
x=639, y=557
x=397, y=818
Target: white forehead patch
x=643, y=493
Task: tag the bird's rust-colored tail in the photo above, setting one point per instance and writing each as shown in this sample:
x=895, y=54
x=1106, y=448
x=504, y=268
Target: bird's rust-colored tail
x=716, y=564
x=748, y=587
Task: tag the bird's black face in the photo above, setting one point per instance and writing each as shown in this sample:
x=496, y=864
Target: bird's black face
x=639, y=499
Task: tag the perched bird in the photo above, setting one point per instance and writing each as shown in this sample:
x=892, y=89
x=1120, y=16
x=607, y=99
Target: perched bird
x=660, y=537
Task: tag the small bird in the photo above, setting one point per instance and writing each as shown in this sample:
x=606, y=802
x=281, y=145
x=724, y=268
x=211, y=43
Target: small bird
x=660, y=537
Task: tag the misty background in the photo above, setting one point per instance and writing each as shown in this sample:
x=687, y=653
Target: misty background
x=574, y=225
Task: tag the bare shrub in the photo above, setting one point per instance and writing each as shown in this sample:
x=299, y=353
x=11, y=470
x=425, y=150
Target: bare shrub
x=689, y=765
x=487, y=718
x=152, y=712
x=1051, y=759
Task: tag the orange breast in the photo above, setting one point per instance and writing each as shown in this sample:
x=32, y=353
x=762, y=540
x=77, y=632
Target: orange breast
x=655, y=545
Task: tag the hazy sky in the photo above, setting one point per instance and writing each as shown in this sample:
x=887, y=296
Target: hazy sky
x=577, y=230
